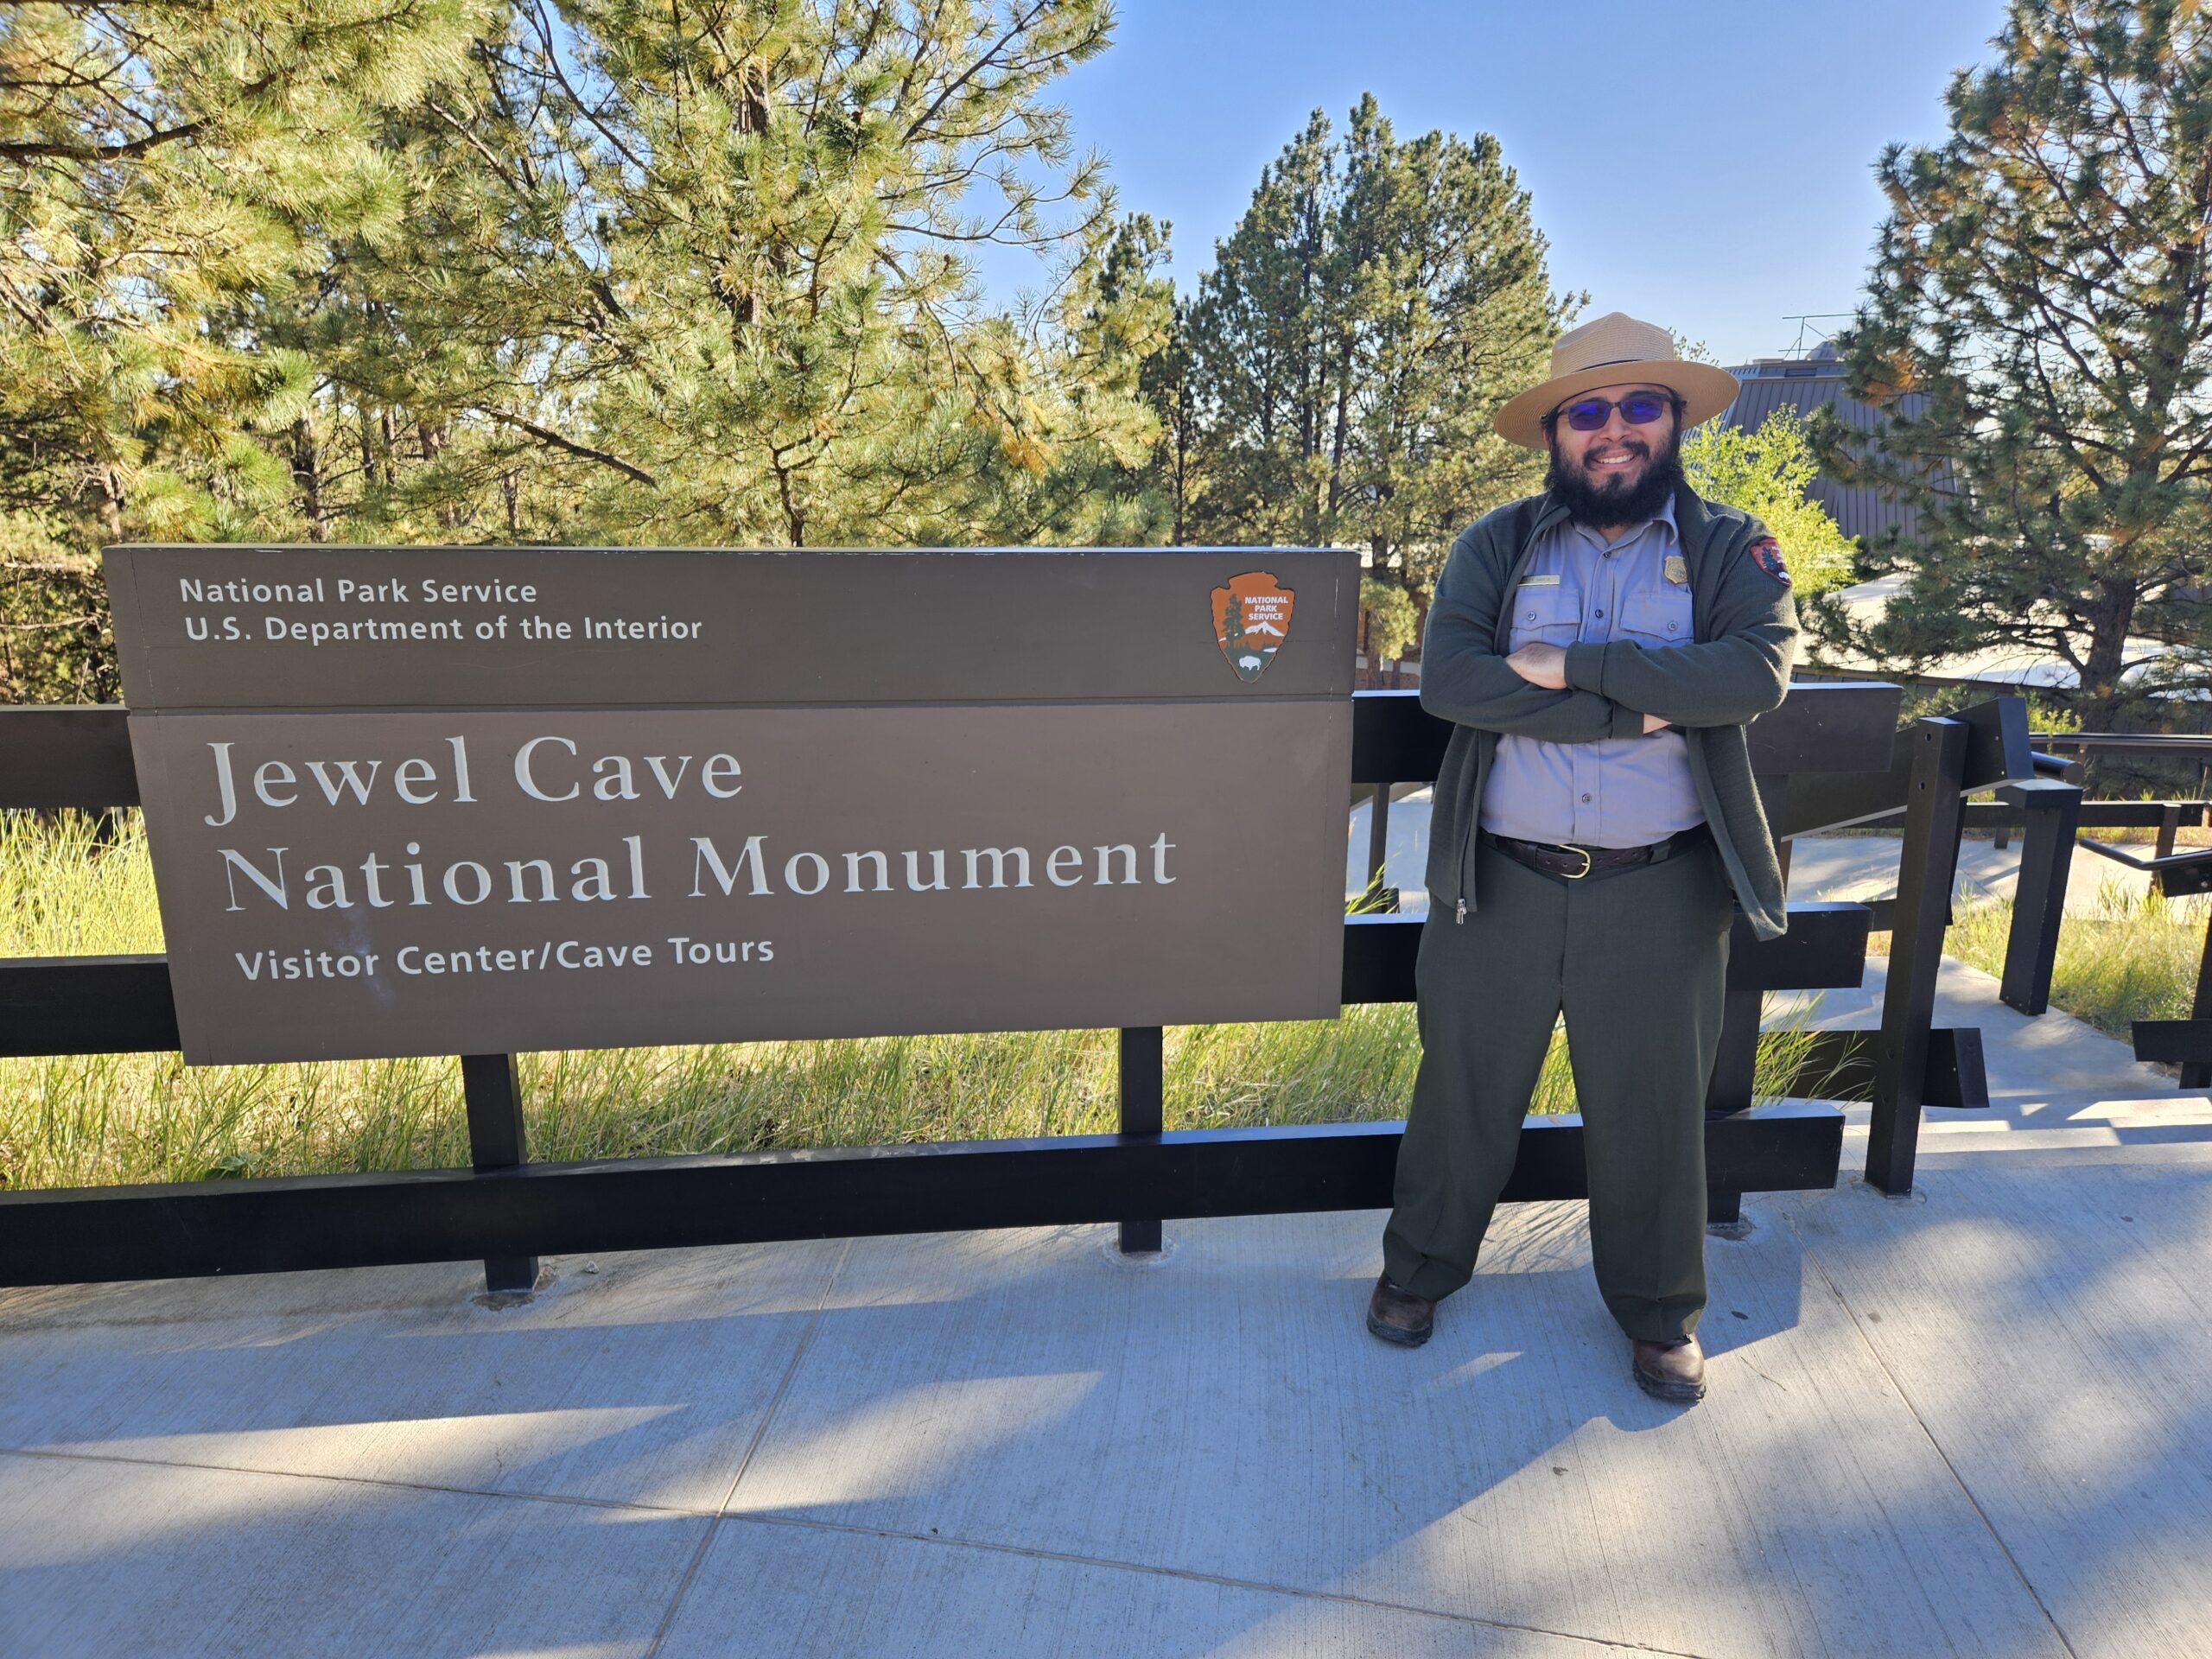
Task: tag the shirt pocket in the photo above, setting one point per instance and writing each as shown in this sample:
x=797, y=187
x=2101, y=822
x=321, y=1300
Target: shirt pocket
x=1549, y=614
x=1658, y=616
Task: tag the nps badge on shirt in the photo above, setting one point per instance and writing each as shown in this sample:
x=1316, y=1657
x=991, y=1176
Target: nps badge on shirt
x=1766, y=553
x=1251, y=620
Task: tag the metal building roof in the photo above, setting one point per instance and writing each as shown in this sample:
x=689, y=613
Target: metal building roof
x=1816, y=382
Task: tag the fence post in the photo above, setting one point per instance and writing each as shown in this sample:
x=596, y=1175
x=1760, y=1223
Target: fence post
x=1933, y=813
x=1736, y=1059
x=1144, y=1088
x=2053, y=814
x=492, y=1088
x=1735, y=1064
x=2197, y=1074
x=1378, y=843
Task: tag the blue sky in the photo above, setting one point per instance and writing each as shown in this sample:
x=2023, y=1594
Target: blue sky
x=1704, y=163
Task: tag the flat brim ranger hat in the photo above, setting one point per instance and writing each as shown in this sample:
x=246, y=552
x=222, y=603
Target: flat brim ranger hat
x=1616, y=350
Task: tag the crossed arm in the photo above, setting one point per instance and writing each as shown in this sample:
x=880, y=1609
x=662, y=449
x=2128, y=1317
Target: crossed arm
x=1463, y=679
x=1579, y=693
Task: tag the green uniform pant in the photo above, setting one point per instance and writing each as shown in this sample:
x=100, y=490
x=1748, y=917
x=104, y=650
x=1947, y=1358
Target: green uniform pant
x=1636, y=959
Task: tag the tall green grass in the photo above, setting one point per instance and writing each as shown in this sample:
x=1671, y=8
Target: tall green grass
x=2130, y=955
x=92, y=1120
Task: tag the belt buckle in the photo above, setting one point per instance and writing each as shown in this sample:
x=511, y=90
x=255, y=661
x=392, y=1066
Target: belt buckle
x=1576, y=875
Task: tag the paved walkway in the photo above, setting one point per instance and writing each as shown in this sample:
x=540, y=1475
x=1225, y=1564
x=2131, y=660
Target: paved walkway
x=1978, y=1421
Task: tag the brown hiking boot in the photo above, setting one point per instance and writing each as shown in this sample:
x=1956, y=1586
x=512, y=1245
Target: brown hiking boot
x=1400, y=1315
x=1670, y=1370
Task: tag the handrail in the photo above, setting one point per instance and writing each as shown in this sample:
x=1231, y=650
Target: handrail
x=2180, y=743
x=2160, y=862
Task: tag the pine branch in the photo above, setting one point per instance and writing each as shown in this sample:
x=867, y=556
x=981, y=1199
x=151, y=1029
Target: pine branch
x=28, y=150
x=957, y=82
x=582, y=451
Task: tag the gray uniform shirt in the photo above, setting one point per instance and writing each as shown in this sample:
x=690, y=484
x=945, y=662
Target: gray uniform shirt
x=1617, y=791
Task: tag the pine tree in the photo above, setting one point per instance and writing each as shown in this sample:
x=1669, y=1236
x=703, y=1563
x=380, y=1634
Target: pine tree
x=729, y=241
x=157, y=164
x=1376, y=303
x=1135, y=334
x=494, y=271
x=2041, y=283
x=1259, y=344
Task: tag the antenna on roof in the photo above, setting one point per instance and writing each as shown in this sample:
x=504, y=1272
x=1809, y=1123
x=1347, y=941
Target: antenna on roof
x=1807, y=322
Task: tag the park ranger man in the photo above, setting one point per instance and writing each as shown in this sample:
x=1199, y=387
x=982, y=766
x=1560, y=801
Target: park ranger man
x=1599, y=648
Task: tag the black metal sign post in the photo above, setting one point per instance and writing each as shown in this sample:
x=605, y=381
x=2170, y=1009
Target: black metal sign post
x=492, y=1088
x=1142, y=1072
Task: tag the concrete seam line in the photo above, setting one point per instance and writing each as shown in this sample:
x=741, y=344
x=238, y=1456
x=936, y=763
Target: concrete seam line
x=1912, y=1408
x=759, y=1433
x=1193, y=1575
x=573, y=1500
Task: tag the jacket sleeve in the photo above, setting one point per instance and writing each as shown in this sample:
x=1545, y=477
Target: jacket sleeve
x=1463, y=678
x=1740, y=672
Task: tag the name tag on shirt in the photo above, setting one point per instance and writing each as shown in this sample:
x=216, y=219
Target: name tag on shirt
x=1551, y=581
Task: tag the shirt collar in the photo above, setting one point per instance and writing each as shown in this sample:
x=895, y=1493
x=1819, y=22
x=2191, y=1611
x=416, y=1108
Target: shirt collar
x=1663, y=520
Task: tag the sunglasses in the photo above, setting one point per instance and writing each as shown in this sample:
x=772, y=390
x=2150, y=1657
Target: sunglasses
x=1637, y=408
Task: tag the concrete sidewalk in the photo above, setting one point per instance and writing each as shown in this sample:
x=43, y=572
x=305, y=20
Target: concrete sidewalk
x=1975, y=1421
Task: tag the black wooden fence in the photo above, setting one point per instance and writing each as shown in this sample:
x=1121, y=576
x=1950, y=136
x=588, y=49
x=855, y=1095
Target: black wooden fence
x=1829, y=755
x=2186, y=1043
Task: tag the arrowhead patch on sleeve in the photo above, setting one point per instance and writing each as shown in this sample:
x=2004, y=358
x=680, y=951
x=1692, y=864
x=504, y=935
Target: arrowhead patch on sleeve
x=1766, y=553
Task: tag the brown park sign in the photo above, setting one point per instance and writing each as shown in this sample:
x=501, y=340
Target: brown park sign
x=441, y=800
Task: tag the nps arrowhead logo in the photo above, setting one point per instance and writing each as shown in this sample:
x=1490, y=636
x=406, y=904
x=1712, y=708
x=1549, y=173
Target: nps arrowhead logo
x=1251, y=620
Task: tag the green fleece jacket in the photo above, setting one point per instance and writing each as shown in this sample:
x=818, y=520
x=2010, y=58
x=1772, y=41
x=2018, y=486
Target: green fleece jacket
x=1736, y=669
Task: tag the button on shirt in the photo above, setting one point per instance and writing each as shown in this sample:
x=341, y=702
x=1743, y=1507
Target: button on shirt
x=1617, y=791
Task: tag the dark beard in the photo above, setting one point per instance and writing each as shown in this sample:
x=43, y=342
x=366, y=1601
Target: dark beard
x=1612, y=504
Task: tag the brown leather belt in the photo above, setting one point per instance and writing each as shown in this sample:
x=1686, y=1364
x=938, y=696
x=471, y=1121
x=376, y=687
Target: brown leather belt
x=1574, y=862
